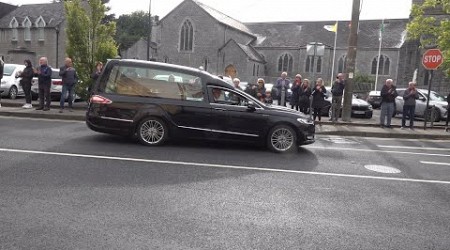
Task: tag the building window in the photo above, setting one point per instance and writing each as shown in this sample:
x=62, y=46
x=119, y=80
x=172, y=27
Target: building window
x=254, y=69
x=285, y=63
x=186, y=36
x=319, y=64
x=40, y=24
x=27, y=31
x=257, y=70
x=384, y=65
x=342, y=64
x=14, y=25
x=205, y=64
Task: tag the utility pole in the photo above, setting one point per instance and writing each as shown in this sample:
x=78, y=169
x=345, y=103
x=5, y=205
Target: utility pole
x=351, y=58
x=149, y=38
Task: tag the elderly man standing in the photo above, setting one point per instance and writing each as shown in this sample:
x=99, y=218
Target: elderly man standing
x=282, y=86
x=69, y=79
x=44, y=74
x=2, y=67
x=388, y=94
x=236, y=83
x=337, y=90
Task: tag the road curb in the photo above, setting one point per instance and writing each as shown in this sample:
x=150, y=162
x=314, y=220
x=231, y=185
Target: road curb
x=386, y=135
x=42, y=115
x=53, y=106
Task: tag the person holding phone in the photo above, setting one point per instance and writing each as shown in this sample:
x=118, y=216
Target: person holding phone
x=44, y=75
x=409, y=107
x=69, y=80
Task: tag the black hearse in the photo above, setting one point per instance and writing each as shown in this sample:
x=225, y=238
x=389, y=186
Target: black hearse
x=157, y=101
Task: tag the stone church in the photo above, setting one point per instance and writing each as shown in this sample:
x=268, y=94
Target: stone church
x=194, y=34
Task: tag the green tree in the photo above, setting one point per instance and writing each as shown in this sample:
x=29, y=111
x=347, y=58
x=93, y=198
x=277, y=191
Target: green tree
x=131, y=28
x=432, y=29
x=363, y=82
x=89, y=39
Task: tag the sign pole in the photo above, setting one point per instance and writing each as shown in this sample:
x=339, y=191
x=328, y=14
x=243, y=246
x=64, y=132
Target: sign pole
x=427, y=109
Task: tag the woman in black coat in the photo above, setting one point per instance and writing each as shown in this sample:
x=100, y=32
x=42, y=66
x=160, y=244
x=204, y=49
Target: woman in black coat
x=318, y=98
x=295, y=92
x=304, y=94
x=27, y=76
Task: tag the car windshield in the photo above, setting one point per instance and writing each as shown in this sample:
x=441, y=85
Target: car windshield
x=436, y=97
x=8, y=70
x=55, y=74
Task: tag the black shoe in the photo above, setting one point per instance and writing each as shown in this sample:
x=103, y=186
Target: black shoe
x=61, y=111
x=40, y=108
x=46, y=109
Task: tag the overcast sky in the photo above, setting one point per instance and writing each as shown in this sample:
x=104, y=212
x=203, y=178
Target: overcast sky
x=269, y=10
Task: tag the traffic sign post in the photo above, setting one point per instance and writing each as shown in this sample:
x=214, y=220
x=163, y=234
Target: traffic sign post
x=431, y=60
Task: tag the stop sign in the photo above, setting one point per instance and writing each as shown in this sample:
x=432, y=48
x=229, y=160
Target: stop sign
x=432, y=59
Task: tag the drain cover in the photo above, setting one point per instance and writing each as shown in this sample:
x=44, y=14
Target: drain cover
x=382, y=169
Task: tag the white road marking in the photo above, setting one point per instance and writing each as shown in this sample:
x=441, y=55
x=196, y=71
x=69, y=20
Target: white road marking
x=384, y=139
x=196, y=164
x=435, y=163
x=418, y=148
x=375, y=150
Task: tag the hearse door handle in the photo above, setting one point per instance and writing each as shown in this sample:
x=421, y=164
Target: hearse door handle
x=220, y=109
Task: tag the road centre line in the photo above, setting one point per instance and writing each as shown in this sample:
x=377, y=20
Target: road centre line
x=375, y=150
x=435, y=163
x=196, y=164
x=418, y=148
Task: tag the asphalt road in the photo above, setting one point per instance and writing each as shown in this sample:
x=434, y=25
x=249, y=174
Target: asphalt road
x=63, y=186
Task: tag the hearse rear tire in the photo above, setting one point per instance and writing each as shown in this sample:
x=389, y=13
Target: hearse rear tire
x=152, y=131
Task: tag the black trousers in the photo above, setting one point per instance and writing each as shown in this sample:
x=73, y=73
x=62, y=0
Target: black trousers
x=317, y=113
x=27, y=91
x=448, y=116
x=44, y=95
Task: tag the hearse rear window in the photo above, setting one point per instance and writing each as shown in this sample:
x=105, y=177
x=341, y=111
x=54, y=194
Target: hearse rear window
x=147, y=82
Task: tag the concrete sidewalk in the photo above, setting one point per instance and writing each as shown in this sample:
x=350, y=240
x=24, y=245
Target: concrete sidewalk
x=357, y=127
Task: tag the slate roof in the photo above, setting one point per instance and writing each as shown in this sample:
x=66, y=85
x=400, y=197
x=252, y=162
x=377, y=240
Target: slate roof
x=251, y=53
x=224, y=19
x=297, y=34
x=53, y=14
x=6, y=8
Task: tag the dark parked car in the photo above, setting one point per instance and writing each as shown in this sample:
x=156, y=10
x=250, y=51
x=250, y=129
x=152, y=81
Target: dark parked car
x=189, y=104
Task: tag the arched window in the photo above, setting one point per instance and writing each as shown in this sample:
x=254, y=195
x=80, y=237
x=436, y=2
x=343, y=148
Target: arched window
x=257, y=70
x=205, y=64
x=384, y=65
x=186, y=36
x=310, y=63
x=285, y=63
x=254, y=70
x=14, y=25
x=341, y=64
x=40, y=23
x=27, y=31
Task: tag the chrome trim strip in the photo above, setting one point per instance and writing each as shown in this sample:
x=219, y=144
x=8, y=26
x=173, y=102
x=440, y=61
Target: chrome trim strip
x=219, y=131
x=116, y=119
x=234, y=133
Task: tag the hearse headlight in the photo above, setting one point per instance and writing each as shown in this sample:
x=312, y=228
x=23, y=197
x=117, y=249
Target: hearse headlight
x=305, y=121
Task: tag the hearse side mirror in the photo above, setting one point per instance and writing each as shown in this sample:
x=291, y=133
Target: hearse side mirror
x=422, y=98
x=251, y=106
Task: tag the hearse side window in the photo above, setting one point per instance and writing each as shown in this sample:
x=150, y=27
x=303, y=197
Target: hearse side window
x=155, y=83
x=228, y=97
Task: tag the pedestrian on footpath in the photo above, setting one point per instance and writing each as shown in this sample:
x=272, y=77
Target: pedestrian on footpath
x=295, y=92
x=236, y=82
x=337, y=90
x=448, y=114
x=305, y=93
x=318, y=98
x=388, y=95
x=2, y=67
x=44, y=74
x=69, y=80
x=97, y=71
x=409, y=96
x=282, y=86
x=27, y=76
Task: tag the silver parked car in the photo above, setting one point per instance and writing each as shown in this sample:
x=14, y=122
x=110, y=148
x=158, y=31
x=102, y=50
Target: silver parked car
x=10, y=86
x=436, y=100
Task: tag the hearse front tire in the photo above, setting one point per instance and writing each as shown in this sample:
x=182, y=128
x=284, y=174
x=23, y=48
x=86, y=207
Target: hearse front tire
x=282, y=138
x=152, y=131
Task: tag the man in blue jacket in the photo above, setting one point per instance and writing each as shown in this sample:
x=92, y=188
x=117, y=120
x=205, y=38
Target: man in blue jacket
x=282, y=85
x=44, y=74
x=337, y=91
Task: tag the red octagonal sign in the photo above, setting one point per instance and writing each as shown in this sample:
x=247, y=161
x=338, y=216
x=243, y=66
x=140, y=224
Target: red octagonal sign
x=432, y=59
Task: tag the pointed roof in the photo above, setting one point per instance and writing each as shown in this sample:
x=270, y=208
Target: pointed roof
x=52, y=13
x=248, y=50
x=224, y=19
